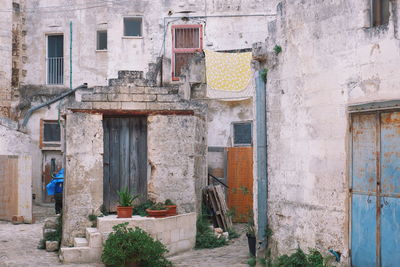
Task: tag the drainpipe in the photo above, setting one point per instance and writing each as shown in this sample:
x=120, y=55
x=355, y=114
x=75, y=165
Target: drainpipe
x=33, y=109
x=261, y=156
x=70, y=55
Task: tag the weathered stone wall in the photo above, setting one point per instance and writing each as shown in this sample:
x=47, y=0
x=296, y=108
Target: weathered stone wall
x=5, y=57
x=329, y=60
x=127, y=53
x=176, y=154
x=83, y=186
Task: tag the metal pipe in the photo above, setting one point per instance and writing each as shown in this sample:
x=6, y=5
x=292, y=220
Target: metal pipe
x=33, y=109
x=70, y=54
x=261, y=159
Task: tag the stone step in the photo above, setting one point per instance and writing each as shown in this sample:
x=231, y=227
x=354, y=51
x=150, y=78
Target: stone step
x=81, y=242
x=94, y=238
x=80, y=254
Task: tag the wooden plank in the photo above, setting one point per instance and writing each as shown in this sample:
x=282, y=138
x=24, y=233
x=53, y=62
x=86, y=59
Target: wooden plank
x=133, y=155
x=142, y=156
x=240, y=182
x=8, y=187
x=221, y=198
x=124, y=155
x=114, y=163
x=106, y=163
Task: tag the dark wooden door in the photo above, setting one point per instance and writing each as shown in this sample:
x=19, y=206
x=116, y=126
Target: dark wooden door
x=125, y=158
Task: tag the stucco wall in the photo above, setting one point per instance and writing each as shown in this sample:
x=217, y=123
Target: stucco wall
x=95, y=67
x=5, y=57
x=83, y=186
x=328, y=61
x=177, y=158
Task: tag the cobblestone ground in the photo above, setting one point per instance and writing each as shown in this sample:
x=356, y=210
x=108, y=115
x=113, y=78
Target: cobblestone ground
x=235, y=254
x=18, y=248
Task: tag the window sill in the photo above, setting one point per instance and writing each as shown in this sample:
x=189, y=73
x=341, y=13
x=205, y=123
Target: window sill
x=132, y=37
x=101, y=50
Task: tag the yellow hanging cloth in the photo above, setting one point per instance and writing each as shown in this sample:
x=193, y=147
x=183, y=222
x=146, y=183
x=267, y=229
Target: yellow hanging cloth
x=228, y=75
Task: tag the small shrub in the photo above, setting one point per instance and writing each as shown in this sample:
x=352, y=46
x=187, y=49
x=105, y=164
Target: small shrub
x=169, y=202
x=277, y=49
x=125, y=198
x=205, y=237
x=54, y=236
x=252, y=261
x=141, y=208
x=301, y=259
x=158, y=206
x=133, y=245
x=263, y=74
x=93, y=219
x=232, y=233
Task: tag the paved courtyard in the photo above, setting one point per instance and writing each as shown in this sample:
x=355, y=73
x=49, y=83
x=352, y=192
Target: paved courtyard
x=18, y=248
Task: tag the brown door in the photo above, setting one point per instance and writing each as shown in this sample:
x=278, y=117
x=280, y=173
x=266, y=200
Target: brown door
x=240, y=182
x=47, y=157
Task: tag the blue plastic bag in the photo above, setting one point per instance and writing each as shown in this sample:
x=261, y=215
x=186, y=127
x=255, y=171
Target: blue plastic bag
x=56, y=185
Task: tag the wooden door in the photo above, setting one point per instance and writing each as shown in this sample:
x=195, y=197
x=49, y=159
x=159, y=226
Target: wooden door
x=240, y=182
x=47, y=157
x=125, y=158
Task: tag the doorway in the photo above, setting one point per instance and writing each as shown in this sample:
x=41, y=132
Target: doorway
x=375, y=189
x=124, y=158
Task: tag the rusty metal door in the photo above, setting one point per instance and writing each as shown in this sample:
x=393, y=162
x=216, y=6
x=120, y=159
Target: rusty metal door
x=240, y=182
x=375, y=189
x=124, y=158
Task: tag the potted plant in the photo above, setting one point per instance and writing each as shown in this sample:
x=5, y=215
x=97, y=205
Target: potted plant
x=124, y=210
x=158, y=210
x=171, y=206
x=251, y=235
x=127, y=247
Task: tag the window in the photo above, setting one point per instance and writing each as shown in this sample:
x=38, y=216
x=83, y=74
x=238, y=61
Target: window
x=101, y=40
x=186, y=41
x=133, y=26
x=380, y=12
x=50, y=134
x=55, y=59
x=242, y=135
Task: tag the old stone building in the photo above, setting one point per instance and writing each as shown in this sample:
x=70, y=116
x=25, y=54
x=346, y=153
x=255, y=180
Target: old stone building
x=333, y=129
x=111, y=89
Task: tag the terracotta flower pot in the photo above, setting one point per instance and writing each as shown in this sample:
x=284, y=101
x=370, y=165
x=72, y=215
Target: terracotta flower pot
x=156, y=213
x=124, y=212
x=171, y=210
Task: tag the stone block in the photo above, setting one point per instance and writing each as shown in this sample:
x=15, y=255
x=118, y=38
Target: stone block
x=183, y=245
x=133, y=106
x=50, y=223
x=17, y=219
x=80, y=242
x=157, y=90
x=94, y=97
x=94, y=238
x=51, y=246
x=168, y=98
x=143, y=98
x=119, y=97
x=101, y=105
x=80, y=255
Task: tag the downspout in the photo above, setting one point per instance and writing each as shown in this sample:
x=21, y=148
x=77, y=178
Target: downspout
x=261, y=156
x=33, y=109
x=70, y=55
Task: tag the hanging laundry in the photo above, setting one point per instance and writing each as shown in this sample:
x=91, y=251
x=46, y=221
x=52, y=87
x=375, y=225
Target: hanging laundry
x=229, y=75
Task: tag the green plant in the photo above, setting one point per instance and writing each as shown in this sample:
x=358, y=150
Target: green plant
x=142, y=207
x=250, y=227
x=125, y=198
x=169, y=202
x=103, y=210
x=125, y=245
x=277, y=49
x=52, y=236
x=301, y=259
x=93, y=219
x=158, y=206
x=263, y=74
x=205, y=237
x=232, y=233
x=252, y=261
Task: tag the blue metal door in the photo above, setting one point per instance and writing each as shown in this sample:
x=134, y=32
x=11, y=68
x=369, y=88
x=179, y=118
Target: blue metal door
x=375, y=190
